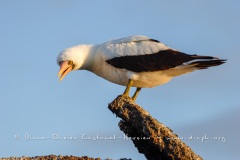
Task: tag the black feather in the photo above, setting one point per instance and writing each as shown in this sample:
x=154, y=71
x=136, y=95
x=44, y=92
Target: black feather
x=161, y=60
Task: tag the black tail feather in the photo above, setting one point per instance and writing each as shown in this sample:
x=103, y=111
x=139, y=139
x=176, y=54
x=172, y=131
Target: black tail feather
x=203, y=62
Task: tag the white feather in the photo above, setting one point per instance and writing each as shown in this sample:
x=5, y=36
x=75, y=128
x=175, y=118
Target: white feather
x=130, y=46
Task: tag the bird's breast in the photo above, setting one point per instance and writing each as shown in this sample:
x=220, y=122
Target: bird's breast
x=122, y=76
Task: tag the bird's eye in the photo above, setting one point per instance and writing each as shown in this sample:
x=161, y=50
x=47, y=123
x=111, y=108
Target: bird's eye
x=59, y=63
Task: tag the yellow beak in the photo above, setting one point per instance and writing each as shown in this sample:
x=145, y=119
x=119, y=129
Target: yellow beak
x=65, y=67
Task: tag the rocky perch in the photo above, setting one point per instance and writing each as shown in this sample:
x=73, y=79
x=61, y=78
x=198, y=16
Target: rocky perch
x=150, y=137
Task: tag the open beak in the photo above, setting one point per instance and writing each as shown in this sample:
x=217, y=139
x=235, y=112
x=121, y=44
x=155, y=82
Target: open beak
x=65, y=67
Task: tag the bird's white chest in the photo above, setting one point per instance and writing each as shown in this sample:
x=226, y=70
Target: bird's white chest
x=112, y=74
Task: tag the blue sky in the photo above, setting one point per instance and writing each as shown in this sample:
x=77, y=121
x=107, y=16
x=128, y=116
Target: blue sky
x=34, y=103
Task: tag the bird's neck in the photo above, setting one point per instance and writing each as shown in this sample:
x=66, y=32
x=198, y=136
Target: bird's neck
x=88, y=56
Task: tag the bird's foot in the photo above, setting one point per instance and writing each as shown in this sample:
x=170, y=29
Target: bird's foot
x=134, y=97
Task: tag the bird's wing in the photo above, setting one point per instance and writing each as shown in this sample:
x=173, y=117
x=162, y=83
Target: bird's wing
x=131, y=46
x=142, y=54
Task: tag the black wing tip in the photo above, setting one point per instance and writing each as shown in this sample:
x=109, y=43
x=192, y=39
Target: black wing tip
x=203, y=62
x=154, y=40
x=223, y=60
x=210, y=63
x=207, y=57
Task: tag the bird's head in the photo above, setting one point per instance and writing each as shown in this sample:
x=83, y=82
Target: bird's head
x=71, y=59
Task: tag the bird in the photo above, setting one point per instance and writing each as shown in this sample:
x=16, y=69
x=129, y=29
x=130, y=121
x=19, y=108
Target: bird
x=134, y=61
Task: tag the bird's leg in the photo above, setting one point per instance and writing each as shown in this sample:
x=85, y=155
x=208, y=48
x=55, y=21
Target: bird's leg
x=130, y=83
x=134, y=97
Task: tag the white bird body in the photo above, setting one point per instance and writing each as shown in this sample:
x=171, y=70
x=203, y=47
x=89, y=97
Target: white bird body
x=147, y=62
x=129, y=46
